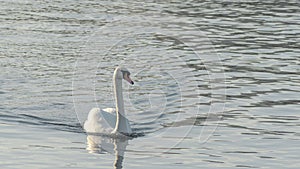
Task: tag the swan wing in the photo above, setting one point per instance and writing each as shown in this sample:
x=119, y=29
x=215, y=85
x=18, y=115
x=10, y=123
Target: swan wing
x=104, y=121
x=110, y=110
x=110, y=116
x=100, y=121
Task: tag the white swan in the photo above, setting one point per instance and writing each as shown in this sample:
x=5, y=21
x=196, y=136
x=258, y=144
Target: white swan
x=111, y=120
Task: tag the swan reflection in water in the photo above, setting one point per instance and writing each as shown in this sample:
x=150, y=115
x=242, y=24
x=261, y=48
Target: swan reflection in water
x=103, y=144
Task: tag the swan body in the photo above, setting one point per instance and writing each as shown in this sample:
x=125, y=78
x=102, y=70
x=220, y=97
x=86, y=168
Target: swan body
x=111, y=120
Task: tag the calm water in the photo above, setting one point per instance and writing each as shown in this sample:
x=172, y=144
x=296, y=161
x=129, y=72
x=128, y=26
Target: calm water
x=217, y=83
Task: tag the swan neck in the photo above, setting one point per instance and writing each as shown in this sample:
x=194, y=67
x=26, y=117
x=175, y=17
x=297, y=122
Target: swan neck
x=119, y=96
x=122, y=124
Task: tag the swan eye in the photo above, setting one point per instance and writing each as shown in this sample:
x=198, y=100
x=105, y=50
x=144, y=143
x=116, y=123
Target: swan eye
x=125, y=73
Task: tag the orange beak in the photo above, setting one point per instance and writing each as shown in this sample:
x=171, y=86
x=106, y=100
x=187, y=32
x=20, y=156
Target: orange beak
x=127, y=78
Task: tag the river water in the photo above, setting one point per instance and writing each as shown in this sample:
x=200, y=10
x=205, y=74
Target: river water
x=216, y=83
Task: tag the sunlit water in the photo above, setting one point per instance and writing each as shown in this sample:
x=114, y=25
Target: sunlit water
x=217, y=83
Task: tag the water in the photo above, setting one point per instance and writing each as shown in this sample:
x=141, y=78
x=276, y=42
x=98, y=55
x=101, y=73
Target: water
x=217, y=83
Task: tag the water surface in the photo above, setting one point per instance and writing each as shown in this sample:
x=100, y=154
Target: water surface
x=217, y=83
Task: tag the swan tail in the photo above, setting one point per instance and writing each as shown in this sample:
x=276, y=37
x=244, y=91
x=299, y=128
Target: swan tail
x=91, y=125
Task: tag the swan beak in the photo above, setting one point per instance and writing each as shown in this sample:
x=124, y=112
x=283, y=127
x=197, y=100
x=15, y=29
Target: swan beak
x=127, y=78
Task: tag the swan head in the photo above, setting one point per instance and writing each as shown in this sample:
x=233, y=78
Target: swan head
x=123, y=73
